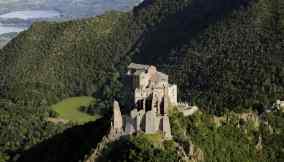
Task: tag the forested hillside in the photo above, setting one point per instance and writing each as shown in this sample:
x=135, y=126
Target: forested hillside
x=22, y=127
x=222, y=54
x=225, y=55
x=52, y=61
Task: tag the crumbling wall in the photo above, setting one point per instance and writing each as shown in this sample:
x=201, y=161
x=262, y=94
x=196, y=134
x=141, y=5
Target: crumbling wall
x=173, y=94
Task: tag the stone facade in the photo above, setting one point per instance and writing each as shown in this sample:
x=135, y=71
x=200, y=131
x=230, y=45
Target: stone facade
x=152, y=95
x=117, y=117
x=173, y=94
x=117, y=122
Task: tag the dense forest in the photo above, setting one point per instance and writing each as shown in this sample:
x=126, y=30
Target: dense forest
x=221, y=58
x=231, y=138
x=224, y=56
x=211, y=49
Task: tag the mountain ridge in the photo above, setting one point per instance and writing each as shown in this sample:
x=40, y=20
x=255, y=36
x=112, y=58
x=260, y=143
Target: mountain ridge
x=223, y=56
x=144, y=43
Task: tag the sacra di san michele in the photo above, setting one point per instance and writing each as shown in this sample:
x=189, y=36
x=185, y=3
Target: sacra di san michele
x=152, y=95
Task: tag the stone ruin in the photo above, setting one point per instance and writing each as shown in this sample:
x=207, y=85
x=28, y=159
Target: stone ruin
x=150, y=94
x=279, y=105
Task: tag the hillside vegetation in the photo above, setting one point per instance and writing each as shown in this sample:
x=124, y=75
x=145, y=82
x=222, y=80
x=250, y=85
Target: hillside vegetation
x=52, y=61
x=224, y=56
x=232, y=140
x=141, y=148
x=70, y=145
x=22, y=127
x=2, y=43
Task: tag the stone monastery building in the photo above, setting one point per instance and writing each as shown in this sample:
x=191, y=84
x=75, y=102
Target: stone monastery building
x=151, y=95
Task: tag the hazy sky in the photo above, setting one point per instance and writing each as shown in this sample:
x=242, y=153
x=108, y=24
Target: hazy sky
x=55, y=9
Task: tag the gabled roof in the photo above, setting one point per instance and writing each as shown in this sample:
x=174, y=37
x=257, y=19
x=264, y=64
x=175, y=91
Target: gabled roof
x=138, y=66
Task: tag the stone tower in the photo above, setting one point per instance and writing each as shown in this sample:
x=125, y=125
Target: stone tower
x=151, y=94
x=117, y=117
x=117, y=122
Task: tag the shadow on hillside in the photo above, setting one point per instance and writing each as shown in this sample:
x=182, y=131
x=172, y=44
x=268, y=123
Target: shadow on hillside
x=71, y=145
x=179, y=28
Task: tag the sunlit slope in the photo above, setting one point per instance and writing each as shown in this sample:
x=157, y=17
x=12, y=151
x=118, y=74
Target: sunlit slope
x=52, y=61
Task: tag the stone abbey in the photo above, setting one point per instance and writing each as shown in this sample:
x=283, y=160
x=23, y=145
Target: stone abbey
x=150, y=94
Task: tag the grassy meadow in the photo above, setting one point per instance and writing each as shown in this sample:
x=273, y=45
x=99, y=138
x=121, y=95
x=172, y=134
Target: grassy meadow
x=69, y=109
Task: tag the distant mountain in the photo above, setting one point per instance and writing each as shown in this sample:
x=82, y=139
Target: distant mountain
x=68, y=8
x=18, y=15
x=5, y=38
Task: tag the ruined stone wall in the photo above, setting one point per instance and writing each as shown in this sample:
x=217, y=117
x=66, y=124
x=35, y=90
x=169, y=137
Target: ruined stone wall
x=173, y=94
x=151, y=122
x=135, y=81
x=144, y=79
x=152, y=72
x=140, y=94
x=117, y=117
x=165, y=127
x=159, y=93
x=151, y=96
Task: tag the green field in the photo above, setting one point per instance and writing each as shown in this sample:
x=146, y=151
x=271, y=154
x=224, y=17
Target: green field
x=68, y=109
